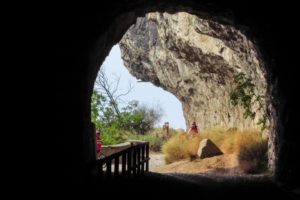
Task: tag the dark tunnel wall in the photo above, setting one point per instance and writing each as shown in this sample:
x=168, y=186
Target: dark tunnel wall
x=83, y=42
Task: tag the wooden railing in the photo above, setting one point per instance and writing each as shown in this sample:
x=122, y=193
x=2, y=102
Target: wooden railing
x=133, y=161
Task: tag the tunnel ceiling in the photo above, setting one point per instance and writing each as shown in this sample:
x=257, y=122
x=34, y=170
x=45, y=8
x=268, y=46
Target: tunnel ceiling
x=195, y=59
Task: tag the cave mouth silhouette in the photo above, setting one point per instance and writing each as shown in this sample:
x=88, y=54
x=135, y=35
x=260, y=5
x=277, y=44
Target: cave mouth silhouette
x=271, y=148
x=85, y=41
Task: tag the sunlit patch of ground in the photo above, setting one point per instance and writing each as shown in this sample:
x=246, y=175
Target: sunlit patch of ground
x=227, y=163
x=157, y=160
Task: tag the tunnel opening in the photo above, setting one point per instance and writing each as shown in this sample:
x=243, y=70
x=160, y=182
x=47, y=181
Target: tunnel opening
x=215, y=57
x=82, y=43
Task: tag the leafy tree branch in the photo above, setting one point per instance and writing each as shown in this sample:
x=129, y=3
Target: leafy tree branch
x=113, y=121
x=244, y=94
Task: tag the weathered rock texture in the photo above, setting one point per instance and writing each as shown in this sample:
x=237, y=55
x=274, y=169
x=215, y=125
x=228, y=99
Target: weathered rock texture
x=195, y=59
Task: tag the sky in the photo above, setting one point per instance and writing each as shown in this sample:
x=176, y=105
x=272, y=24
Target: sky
x=144, y=92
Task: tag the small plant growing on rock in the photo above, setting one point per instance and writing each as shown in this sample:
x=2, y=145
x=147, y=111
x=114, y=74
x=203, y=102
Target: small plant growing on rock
x=244, y=94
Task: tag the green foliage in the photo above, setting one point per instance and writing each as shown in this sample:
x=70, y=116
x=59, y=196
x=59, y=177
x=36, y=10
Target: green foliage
x=97, y=106
x=97, y=98
x=156, y=137
x=154, y=141
x=112, y=125
x=113, y=135
x=112, y=121
x=263, y=122
x=244, y=94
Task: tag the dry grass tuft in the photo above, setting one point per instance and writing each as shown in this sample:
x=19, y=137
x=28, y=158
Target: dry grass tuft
x=249, y=145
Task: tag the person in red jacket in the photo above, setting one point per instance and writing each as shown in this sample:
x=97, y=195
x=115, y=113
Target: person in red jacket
x=194, y=129
x=99, y=142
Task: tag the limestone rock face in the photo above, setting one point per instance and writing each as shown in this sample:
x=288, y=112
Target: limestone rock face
x=194, y=59
x=208, y=149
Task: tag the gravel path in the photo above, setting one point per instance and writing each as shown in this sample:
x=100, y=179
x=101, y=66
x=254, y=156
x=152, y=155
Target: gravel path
x=156, y=161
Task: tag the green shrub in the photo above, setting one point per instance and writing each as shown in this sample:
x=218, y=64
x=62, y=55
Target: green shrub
x=156, y=138
x=112, y=135
x=154, y=142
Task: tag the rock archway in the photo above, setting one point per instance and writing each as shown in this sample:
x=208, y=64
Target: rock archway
x=196, y=60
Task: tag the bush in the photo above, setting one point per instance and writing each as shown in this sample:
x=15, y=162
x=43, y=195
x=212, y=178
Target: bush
x=180, y=146
x=176, y=148
x=149, y=117
x=113, y=135
x=254, y=158
x=154, y=142
x=110, y=119
x=156, y=138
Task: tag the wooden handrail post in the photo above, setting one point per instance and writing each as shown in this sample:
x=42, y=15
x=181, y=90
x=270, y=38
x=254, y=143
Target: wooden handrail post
x=143, y=159
x=116, y=172
x=147, y=157
x=134, y=162
x=108, y=169
x=100, y=170
x=124, y=164
x=138, y=160
x=129, y=164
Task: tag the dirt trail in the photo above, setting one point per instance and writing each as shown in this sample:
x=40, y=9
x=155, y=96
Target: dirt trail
x=157, y=160
x=226, y=163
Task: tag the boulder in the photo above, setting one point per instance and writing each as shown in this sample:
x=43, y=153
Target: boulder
x=208, y=149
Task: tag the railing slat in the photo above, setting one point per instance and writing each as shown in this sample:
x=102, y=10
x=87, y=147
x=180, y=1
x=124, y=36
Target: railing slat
x=147, y=157
x=134, y=162
x=129, y=164
x=116, y=172
x=138, y=151
x=108, y=169
x=143, y=159
x=100, y=170
x=124, y=164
